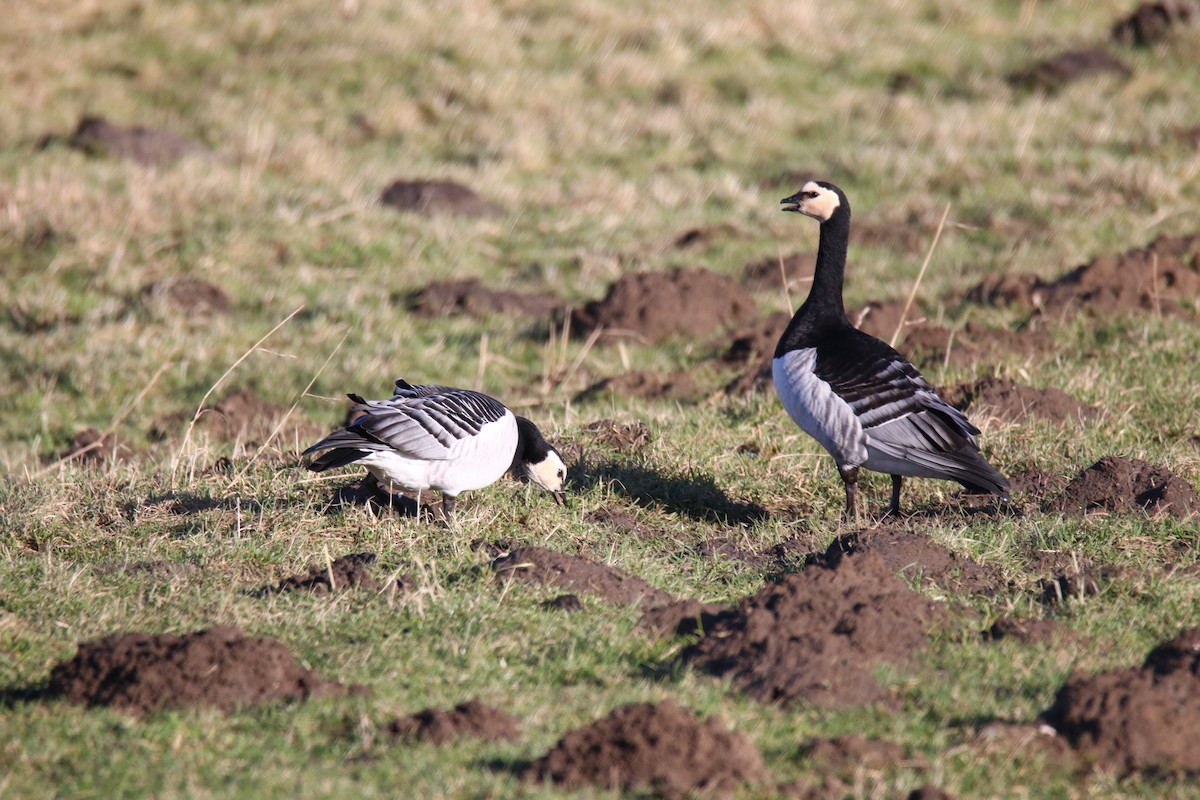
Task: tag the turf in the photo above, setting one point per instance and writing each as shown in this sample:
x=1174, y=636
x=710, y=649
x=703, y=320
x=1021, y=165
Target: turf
x=604, y=131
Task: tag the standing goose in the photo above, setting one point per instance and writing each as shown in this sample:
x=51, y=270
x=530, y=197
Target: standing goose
x=863, y=401
x=436, y=437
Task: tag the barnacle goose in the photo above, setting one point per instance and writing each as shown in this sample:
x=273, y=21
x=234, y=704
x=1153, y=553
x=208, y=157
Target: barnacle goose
x=436, y=437
x=863, y=401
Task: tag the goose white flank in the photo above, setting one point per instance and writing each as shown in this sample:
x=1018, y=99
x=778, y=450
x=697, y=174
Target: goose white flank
x=862, y=400
x=436, y=437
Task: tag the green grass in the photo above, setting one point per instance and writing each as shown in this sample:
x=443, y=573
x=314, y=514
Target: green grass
x=604, y=130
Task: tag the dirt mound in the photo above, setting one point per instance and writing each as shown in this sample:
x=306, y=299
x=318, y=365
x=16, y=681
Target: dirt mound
x=93, y=448
x=814, y=636
x=1009, y=401
x=471, y=298
x=910, y=555
x=1159, y=278
x=1137, y=719
x=471, y=718
x=1055, y=73
x=1117, y=484
x=621, y=519
x=879, y=318
x=1066, y=576
x=644, y=384
x=575, y=573
x=973, y=344
x=794, y=271
x=654, y=306
x=682, y=617
x=191, y=295
x=240, y=415
x=659, y=747
x=752, y=349
x=216, y=668
x=97, y=136
x=348, y=572
x=1028, y=631
x=625, y=437
x=437, y=197
x=1153, y=21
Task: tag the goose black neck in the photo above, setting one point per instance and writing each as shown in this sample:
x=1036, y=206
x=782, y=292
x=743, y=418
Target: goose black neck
x=824, y=310
x=532, y=447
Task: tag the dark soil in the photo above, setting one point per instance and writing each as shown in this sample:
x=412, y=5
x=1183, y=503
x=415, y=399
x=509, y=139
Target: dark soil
x=564, y=602
x=682, y=617
x=725, y=547
x=471, y=718
x=1009, y=401
x=851, y=752
x=879, y=318
x=575, y=573
x=1117, y=484
x=469, y=297
x=91, y=448
x=189, y=295
x=1055, y=73
x=814, y=636
x=216, y=668
x=1067, y=576
x=1158, y=278
x=659, y=747
x=929, y=793
x=655, y=306
x=624, y=437
x=1153, y=21
x=1143, y=719
x=644, y=384
x=437, y=197
x=911, y=555
x=752, y=349
x=348, y=572
x=620, y=519
x=969, y=346
x=770, y=274
x=240, y=415
x=1027, y=631
x=98, y=137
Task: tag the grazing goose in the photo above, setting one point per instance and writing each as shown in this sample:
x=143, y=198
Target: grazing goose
x=435, y=437
x=863, y=401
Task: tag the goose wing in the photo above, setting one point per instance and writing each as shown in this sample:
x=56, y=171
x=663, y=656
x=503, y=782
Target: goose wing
x=901, y=415
x=422, y=422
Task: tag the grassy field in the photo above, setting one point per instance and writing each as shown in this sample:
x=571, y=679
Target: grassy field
x=604, y=131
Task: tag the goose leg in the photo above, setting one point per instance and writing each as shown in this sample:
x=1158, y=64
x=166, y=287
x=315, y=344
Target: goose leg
x=893, y=510
x=448, y=502
x=850, y=478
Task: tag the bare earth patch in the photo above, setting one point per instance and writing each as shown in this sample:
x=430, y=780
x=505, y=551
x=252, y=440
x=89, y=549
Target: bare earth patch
x=147, y=146
x=751, y=349
x=216, y=668
x=1026, y=631
x=682, y=617
x=1159, y=278
x=655, y=306
x=624, y=437
x=973, y=344
x=472, y=718
x=658, y=747
x=1117, y=484
x=1009, y=401
x=437, y=197
x=814, y=636
x=912, y=555
x=574, y=573
x=1142, y=719
x=1056, y=72
x=647, y=385
x=189, y=295
x=1150, y=22
x=470, y=297
x=239, y=415
x=348, y=572
x=793, y=272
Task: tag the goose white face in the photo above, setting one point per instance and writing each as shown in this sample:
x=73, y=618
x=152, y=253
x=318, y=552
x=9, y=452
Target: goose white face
x=550, y=474
x=813, y=200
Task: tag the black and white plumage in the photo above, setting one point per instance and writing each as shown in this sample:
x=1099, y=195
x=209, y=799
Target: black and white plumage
x=436, y=437
x=863, y=401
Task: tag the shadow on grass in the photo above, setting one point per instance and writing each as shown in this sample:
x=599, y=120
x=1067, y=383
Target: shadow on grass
x=12, y=696
x=695, y=496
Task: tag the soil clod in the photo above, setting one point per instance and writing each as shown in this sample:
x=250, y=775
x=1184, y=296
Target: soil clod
x=216, y=668
x=1117, y=485
x=348, y=572
x=1152, y=21
x=539, y=565
x=660, y=747
x=472, y=718
x=98, y=137
x=437, y=197
x=815, y=636
x=189, y=295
